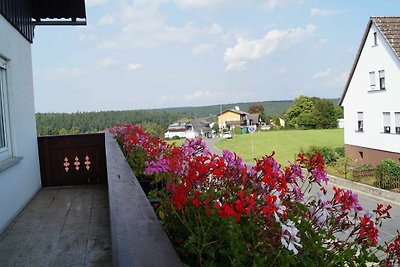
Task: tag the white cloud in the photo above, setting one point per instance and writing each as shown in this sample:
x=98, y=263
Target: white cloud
x=108, y=62
x=106, y=20
x=321, y=74
x=203, y=50
x=96, y=2
x=246, y=50
x=236, y=66
x=323, y=12
x=339, y=79
x=134, y=66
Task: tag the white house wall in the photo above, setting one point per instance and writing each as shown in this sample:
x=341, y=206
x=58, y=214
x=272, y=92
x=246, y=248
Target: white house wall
x=19, y=183
x=373, y=104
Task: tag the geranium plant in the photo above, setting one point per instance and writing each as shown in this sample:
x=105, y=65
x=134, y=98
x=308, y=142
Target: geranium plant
x=220, y=211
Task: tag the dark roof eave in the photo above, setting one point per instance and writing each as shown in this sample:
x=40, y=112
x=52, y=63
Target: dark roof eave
x=353, y=68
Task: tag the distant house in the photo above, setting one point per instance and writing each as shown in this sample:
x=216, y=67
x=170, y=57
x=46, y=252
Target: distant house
x=236, y=118
x=371, y=97
x=188, y=129
x=19, y=160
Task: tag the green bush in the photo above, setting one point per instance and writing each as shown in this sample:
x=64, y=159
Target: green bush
x=388, y=172
x=237, y=131
x=339, y=151
x=329, y=154
x=388, y=167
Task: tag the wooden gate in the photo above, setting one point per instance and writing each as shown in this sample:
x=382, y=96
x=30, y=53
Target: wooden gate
x=72, y=159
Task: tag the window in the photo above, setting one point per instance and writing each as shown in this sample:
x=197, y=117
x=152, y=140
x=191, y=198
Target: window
x=360, y=121
x=386, y=122
x=375, y=39
x=397, y=122
x=372, y=80
x=382, y=80
x=5, y=144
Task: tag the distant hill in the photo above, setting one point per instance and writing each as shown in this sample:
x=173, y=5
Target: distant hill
x=271, y=108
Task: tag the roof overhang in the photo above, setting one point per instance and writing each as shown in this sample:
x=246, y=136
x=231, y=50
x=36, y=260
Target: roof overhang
x=59, y=12
x=353, y=68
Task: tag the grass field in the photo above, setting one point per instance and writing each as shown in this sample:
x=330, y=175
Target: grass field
x=285, y=143
x=177, y=142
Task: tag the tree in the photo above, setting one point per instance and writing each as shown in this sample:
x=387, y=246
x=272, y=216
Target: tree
x=258, y=109
x=313, y=113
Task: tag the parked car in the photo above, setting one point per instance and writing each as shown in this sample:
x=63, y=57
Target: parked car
x=227, y=135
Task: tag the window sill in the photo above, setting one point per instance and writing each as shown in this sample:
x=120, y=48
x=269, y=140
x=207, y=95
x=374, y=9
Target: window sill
x=7, y=163
x=378, y=90
x=390, y=133
x=358, y=131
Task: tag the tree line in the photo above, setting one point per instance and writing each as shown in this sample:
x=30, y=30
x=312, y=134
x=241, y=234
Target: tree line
x=91, y=122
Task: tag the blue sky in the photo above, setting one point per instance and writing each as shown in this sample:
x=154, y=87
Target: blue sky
x=168, y=53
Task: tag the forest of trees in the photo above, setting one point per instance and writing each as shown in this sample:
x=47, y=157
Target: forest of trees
x=91, y=122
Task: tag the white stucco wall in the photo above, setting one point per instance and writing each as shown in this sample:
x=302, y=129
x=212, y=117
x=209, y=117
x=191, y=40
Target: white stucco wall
x=19, y=183
x=374, y=103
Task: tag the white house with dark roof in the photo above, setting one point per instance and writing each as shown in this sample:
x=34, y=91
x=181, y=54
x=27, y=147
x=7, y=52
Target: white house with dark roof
x=19, y=161
x=371, y=97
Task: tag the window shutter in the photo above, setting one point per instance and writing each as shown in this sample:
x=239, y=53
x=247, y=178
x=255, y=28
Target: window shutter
x=386, y=118
x=372, y=78
x=397, y=119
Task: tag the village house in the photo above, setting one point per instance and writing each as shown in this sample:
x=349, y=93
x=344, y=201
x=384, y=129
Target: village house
x=188, y=129
x=371, y=95
x=232, y=118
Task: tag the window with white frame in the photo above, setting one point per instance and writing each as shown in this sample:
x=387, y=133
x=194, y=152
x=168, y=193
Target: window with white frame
x=382, y=80
x=386, y=122
x=372, y=80
x=360, y=121
x=5, y=141
x=397, y=122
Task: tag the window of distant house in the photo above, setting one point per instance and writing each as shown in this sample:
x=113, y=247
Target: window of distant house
x=375, y=39
x=372, y=80
x=382, y=80
x=397, y=122
x=5, y=144
x=386, y=122
x=360, y=121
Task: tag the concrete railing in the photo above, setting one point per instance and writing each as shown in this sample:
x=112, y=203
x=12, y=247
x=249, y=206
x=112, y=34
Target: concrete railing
x=136, y=233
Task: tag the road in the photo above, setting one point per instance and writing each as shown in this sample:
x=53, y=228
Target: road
x=389, y=227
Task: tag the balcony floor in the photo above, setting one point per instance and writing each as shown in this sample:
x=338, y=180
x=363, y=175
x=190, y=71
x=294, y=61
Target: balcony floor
x=61, y=226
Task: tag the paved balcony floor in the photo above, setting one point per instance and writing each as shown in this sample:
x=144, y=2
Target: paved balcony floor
x=61, y=226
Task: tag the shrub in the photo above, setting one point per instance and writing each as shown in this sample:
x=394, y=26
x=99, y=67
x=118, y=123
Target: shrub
x=388, y=167
x=327, y=153
x=388, y=174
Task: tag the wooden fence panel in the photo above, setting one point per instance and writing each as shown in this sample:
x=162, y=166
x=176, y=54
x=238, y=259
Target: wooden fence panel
x=72, y=159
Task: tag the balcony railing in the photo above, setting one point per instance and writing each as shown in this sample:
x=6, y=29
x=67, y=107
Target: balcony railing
x=136, y=233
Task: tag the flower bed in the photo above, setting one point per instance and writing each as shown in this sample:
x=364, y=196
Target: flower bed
x=220, y=212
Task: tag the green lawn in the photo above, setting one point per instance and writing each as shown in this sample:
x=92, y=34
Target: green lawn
x=177, y=142
x=285, y=143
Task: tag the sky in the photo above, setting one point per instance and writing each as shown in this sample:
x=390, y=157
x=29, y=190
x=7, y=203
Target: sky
x=144, y=54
